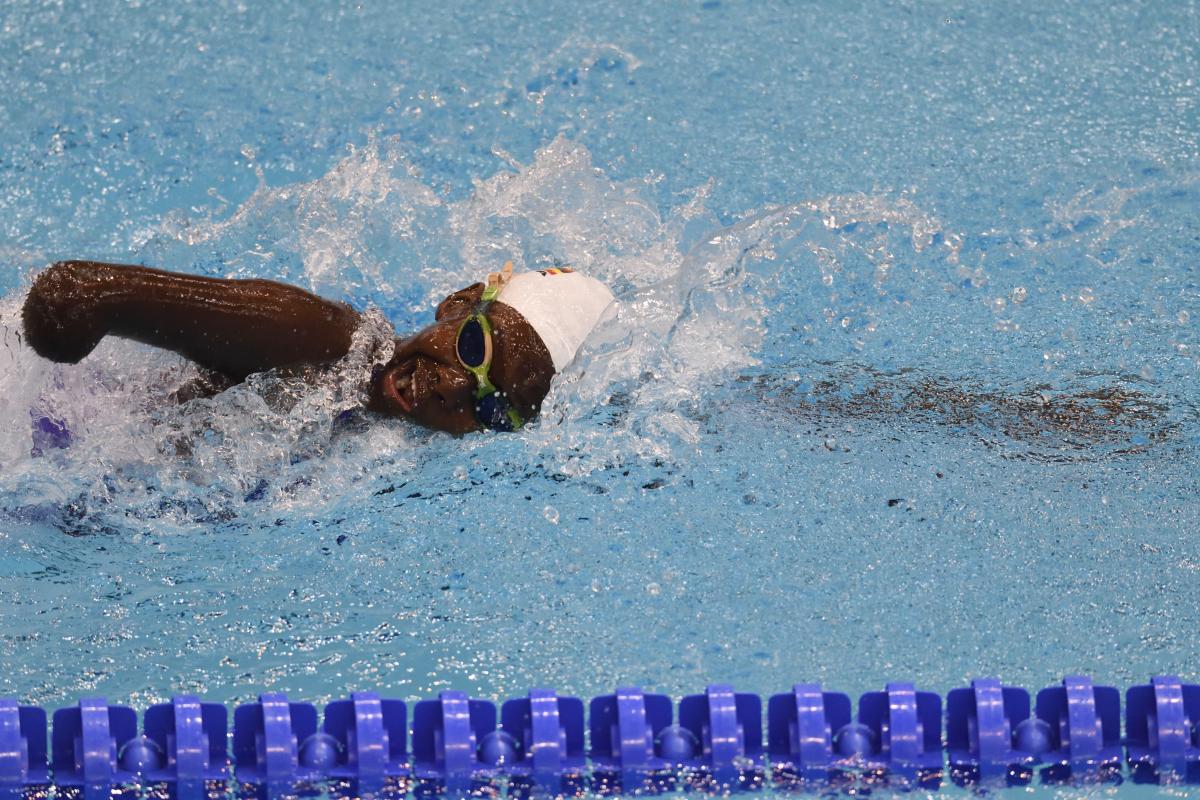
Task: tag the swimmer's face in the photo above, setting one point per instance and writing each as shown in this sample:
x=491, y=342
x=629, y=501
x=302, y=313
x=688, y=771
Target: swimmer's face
x=425, y=382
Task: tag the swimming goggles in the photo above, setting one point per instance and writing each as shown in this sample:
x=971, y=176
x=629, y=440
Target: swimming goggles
x=473, y=346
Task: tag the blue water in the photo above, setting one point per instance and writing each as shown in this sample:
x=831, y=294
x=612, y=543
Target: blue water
x=905, y=382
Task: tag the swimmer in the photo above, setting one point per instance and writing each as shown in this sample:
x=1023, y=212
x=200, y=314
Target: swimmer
x=486, y=362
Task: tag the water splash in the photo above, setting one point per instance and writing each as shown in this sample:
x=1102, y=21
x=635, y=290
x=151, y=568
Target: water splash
x=276, y=436
x=358, y=233
x=694, y=316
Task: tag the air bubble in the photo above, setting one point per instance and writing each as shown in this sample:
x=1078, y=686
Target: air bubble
x=460, y=473
x=551, y=514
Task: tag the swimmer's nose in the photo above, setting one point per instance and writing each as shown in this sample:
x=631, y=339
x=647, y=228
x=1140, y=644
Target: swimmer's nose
x=456, y=387
x=435, y=341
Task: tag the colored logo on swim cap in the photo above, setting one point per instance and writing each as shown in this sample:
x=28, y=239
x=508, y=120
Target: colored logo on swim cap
x=555, y=271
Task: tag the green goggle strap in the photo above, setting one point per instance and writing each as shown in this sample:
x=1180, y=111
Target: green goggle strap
x=484, y=386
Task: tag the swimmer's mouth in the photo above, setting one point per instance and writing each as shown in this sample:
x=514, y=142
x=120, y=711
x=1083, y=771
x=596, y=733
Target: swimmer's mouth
x=400, y=386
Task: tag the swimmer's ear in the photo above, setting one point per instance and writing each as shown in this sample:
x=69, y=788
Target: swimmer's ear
x=460, y=302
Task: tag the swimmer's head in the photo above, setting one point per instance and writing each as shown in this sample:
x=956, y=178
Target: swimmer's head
x=538, y=320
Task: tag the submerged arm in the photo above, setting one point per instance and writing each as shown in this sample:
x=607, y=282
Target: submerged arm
x=234, y=327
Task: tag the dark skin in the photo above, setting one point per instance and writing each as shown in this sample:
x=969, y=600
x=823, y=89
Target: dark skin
x=234, y=328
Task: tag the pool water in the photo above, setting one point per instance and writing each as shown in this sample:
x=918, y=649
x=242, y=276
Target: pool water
x=904, y=383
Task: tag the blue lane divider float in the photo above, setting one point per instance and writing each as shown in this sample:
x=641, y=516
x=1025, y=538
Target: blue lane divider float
x=548, y=735
x=276, y=741
x=22, y=745
x=1160, y=730
x=906, y=732
x=636, y=741
x=95, y=744
x=1085, y=727
x=726, y=727
x=624, y=728
x=446, y=737
x=800, y=732
x=983, y=743
x=188, y=737
x=369, y=737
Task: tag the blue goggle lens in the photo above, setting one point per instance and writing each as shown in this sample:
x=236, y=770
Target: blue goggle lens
x=472, y=344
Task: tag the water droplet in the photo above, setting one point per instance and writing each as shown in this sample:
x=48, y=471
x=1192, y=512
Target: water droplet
x=596, y=585
x=831, y=443
x=653, y=589
x=1183, y=317
x=1018, y=295
x=1086, y=296
x=460, y=473
x=551, y=514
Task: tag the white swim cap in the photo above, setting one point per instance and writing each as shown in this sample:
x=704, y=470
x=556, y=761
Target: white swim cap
x=561, y=305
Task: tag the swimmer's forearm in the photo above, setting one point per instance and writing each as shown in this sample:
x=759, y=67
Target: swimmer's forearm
x=233, y=326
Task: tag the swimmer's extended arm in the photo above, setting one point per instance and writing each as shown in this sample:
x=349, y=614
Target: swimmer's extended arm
x=234, y=327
